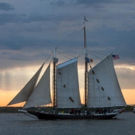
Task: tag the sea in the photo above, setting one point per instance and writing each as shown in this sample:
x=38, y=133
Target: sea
x=21, y=124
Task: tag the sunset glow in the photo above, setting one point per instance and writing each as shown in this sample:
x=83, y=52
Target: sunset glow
x=131, y=67
x=7, y=96
x=13, y=80
x=129, y=95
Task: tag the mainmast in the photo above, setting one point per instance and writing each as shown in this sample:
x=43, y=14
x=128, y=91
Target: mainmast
x=86, y=66
x=55, y=60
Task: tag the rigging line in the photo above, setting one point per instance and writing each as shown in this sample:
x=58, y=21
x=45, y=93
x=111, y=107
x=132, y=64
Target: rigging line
x=90, y=66
x=51, y=60
x=68, y=39
x=68, y=56
x=96, y=52
x=97, y=57
x=69, y=36
x=65, y=54
x=49, y=56
x=82, y=52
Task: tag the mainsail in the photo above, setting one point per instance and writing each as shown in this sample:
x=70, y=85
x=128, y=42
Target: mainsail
x=103, y=86
x=41, y=93
x=24, y=94
x=67, y=85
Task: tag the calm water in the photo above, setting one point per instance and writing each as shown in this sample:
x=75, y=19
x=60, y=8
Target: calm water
x=14, y=124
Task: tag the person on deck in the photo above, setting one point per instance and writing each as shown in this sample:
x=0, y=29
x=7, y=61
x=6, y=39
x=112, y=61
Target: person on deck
x=85, y=112
x=78, y=110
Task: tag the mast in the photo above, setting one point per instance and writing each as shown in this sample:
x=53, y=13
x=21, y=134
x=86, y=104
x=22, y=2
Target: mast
x=55, y=60
x=86, y=66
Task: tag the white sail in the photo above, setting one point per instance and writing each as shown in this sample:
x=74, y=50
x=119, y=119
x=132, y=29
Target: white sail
x=41, y=93
x=103, y=88
x=67, y=85
x=24, y=94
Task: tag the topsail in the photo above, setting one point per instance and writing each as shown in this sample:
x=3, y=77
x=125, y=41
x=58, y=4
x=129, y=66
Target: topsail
x=67, y=85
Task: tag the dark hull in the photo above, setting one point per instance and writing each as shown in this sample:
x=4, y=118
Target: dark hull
x=48, y=116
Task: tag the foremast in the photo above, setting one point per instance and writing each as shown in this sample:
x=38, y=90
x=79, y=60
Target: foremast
x=55, y=60
x=86, y=66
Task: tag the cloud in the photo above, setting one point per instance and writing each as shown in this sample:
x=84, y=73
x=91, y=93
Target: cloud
x=11, y=18
x=18, y=42
x=33, y=17
x=91, y=2
x=102, y=40
x=25, y=57
x=5, y=6
x=126, y=77
x=58, y=3
x=108, y=30
x=107, y=40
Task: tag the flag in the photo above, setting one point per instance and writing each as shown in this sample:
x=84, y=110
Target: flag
x=91, y=60
x=115, y=57
x=88, y=60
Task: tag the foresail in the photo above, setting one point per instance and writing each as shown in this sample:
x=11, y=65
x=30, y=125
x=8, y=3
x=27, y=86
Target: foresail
x=103, y=88
x=24, y=94
x=41, y=93
x=67, y=87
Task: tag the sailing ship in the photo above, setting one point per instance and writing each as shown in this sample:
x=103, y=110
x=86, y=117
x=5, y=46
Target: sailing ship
x=101, y=86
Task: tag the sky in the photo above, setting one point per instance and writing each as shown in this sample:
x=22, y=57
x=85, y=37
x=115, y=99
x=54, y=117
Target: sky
x=30, y=30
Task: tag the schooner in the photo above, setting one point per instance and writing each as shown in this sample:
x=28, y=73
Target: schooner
x=101, y=87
